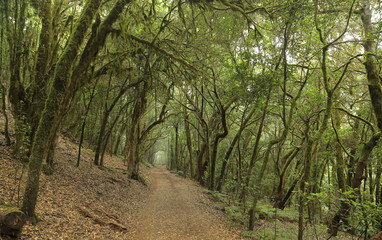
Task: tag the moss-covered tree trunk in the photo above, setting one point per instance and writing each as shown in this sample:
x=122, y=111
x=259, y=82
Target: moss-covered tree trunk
x=109, y=132
x=372, y=68
x=64, y=83
x=255, y=148
x=17, y=94
x=343, y=212
x=189, y=142
x=134, y=133
x=27, y=102
x=280, y=190
x=176, y=159
x=60, y=81
x=85, y=116
x=38, y=90
x=378, y=188
x=201, y=167
x=218, y=137
x=2, y=87
x=311, y=141
x=340, y=163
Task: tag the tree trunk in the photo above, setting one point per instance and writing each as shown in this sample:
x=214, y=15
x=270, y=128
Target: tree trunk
x=48, y=163
x=176, y=147
x=372, y=68
x=85, y=116
x=217, y=139
x=343, y=212
x=4, y=111
x=101, y=137
x=201, y=168
x=353, y=151
x=230, y=149
x=11, y=221
x=286, y=161
x=39, y=79
x=255, y=148
x=3, y=89
x=110, y=130
x=62, y=78
x=119, y=137
x=340, y=164
x=189, y=142
x=134, y=133
x=378, y=183
x=17, y=94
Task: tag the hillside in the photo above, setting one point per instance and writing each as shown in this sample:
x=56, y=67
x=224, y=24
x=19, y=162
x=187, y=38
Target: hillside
x=106, y=193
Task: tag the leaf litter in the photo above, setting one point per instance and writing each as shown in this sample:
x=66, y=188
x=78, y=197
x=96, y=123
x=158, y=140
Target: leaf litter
x=93, y=202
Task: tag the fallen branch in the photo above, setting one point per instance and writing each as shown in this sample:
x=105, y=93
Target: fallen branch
x=98, y=220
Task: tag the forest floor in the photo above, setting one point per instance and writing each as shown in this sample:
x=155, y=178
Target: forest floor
x=92, y=202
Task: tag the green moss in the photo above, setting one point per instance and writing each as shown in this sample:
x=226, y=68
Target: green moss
x=6, y=206
x=147, y=164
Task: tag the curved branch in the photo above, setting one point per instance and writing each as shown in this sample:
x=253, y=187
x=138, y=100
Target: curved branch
x=357, y=117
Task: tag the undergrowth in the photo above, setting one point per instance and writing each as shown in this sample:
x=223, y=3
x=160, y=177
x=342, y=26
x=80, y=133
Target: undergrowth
x=271, y=223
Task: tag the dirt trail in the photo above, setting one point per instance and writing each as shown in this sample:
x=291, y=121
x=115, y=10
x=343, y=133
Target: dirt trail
x=177, y=209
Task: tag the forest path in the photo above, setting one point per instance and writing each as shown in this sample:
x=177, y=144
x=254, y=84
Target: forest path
x=177, y=209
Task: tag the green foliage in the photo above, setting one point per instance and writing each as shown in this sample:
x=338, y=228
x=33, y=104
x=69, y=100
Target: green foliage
x=147, y=164
x=235, y=214
x=181, y=173
x=216, y=195
x=288, y=214
x=366, y=217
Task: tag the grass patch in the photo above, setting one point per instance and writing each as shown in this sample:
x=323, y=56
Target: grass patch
x=288, y=214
